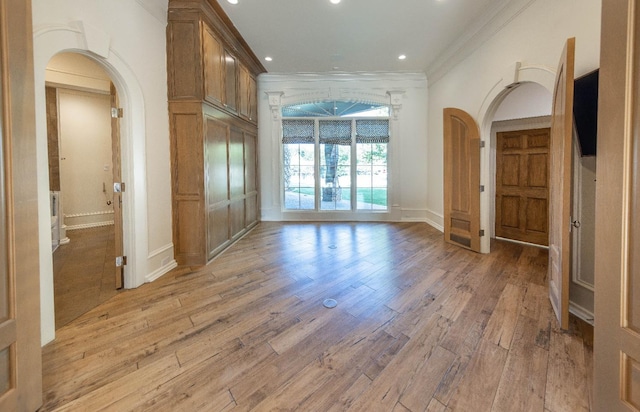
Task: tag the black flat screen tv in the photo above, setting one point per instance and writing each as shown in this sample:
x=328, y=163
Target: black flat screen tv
x=585, y=111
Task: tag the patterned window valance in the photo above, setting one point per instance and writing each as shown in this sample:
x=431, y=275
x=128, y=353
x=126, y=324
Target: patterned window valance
x=297, y=131
x=335, y=132
x=372, y=131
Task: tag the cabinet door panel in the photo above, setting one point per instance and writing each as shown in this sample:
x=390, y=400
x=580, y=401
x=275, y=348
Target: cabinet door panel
x=253, y=100
x=251, y=204
x=247, y=95
x=250, y=162
x=216, y=161
x=231, y=81
x=214, y=67
x=218, y=230
x=187, y=152
x=237, y=223
x=185, y=73
x=236, y=164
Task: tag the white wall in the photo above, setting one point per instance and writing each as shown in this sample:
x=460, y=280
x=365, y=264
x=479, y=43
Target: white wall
x=526, y=100
x=86, y=175
x=478, y=83
x=407, y=146
x=581, y=289
x=75, y=71
x=127, y=38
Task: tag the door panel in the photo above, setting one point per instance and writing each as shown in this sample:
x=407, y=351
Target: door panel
x=20, y=352
x=617, y=241
x=117, y=195
x=217, y=146
x=461, y=179
x=560, y=185
x=522, y=163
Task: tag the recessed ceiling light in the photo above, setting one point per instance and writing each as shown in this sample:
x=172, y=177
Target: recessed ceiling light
x=402, y=57
x=268, y=59
x=335, y=1
x=233, y=1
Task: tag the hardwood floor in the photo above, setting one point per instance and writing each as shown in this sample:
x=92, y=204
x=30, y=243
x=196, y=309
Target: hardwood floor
x=83, y=272
x=420, y=325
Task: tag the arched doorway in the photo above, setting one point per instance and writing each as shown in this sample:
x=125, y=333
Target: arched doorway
x=521, y=74
x=49, y=41
x=84, y=163
x=521, y=122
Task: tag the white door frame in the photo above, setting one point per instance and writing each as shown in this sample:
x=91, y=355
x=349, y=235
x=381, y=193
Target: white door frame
x=54, y=39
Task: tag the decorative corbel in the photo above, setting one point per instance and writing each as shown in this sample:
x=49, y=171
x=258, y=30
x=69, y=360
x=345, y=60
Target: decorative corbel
x=396, y=101
x=275, y=103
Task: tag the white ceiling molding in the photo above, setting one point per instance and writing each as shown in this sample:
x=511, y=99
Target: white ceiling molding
x=475, y=36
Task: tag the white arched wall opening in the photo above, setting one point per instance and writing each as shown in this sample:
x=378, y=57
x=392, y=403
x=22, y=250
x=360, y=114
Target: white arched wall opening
x=513, y=77
x=78, y=38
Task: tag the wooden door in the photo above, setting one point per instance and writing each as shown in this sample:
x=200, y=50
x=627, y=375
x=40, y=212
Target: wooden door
x=560, y=186
x=116, y=114
x=20, y=352
x=617, y=247
x=522, y=185
x=461, y=179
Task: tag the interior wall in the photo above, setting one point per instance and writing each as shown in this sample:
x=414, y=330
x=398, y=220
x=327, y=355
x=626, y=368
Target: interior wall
x=582, y=287
x=407, y=146
x=534, y=39
x=85, y=158
x=525, y=101
x=75, y=71
x=126, y=38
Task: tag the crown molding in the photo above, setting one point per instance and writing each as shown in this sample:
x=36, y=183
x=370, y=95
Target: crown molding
x=273, y=78
x=475, y=36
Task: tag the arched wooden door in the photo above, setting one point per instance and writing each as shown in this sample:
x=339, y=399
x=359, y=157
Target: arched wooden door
x=560, y=178
x=461, y=179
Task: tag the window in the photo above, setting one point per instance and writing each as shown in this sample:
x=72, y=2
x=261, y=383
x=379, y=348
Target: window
x=335, y=156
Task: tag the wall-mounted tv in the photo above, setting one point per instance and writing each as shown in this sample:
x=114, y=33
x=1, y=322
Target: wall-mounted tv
x=585, y=111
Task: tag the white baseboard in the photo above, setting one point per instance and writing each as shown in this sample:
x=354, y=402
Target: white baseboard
x=435, y=219
x=156, y=274
x=582, y=313
x=89, y=226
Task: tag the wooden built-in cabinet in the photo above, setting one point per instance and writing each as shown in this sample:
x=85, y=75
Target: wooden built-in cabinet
x=213, y=121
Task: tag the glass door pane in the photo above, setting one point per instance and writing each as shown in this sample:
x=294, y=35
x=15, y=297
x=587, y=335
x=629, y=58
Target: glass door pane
x=335, y=177
x=372, y=176
x=299, y=177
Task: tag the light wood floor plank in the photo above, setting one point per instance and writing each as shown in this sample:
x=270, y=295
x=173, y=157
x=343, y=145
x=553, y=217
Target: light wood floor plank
x=420, y=325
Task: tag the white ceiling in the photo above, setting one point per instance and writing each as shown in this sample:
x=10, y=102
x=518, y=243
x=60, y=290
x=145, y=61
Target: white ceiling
x=358, y=35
